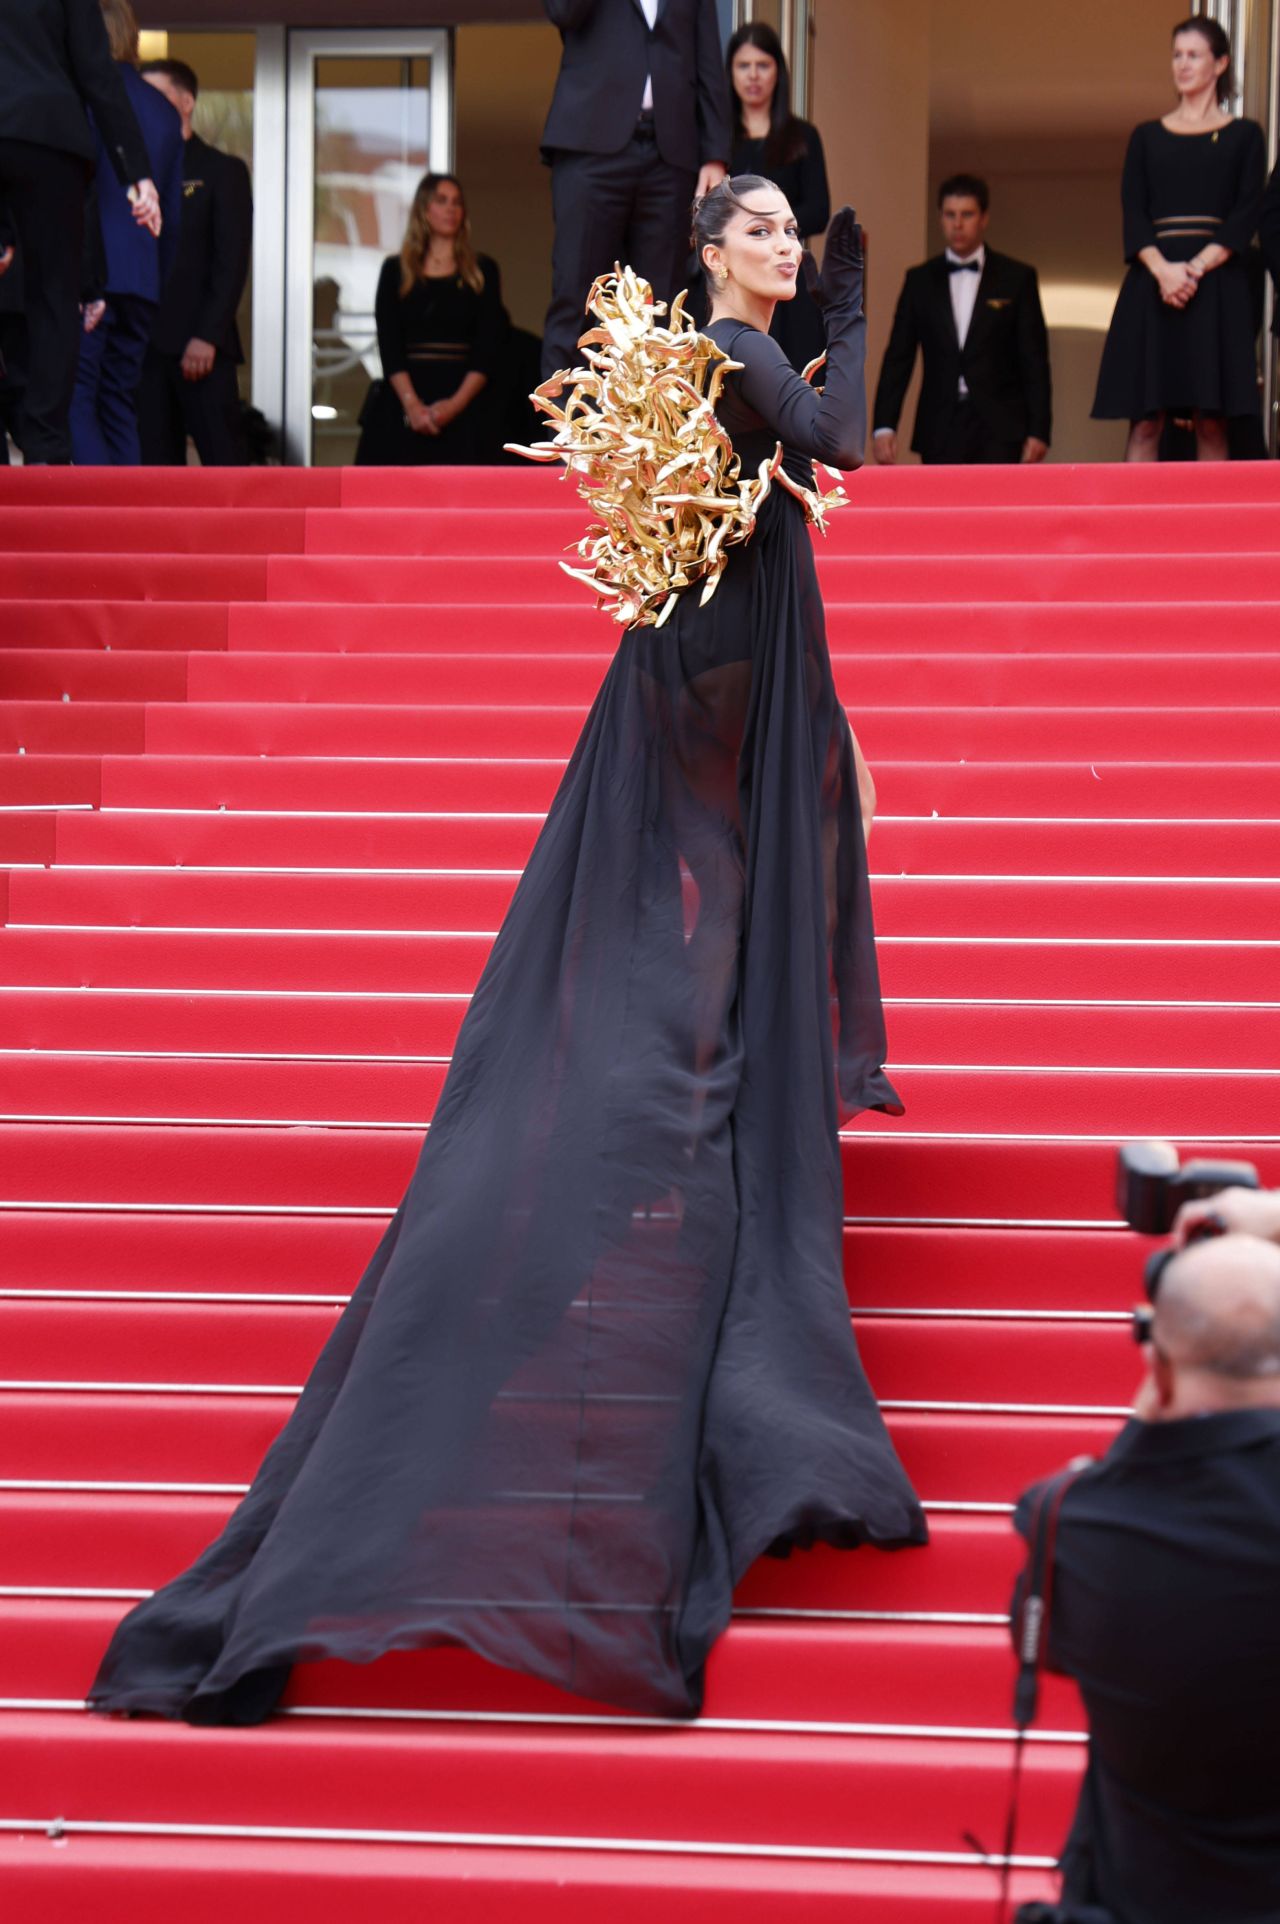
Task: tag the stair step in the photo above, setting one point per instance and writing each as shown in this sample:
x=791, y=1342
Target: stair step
x=908, y=1269
x=193, y=1022
x=485, y=840
x=881, y=1673
x=411, y=962
x=148, y=1880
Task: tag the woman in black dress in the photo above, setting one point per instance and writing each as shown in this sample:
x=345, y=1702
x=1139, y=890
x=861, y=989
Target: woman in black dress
x=441, y=327
x=1182, y=338
x=602, y=1358
x=768, y=139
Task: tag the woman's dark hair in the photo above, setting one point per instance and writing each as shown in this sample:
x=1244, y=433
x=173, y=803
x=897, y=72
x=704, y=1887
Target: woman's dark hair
x=965, y=187
x=785, y=139
x=1218, y=41
x=712, y=214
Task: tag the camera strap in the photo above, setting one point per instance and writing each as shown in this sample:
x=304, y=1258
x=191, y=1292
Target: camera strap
x=1032, y=1629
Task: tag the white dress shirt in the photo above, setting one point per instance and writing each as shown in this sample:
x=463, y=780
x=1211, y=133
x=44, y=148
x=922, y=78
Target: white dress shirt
x=649, y=8
x=964, y=298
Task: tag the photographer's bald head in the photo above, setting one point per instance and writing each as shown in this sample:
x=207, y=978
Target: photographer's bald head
x=1216, y=1331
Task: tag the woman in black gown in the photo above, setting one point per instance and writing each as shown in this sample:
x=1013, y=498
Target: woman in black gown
x=768, y=139
x=602, y=1358
x=1182, y=338
x=441, y=327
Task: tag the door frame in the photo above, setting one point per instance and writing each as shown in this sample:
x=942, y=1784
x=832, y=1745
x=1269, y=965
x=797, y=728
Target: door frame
x=283, y=303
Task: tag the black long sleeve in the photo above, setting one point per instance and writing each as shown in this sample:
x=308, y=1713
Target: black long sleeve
x=811, y=204
x=387, y=314
x=1269, y=226
x=899, y=361
x=830, y=426
x=1033, y=361
x=1241, y=224
x=491, y=324
x=100, y=86
x=715, y=126
x=231, y=243
x=1135, y=197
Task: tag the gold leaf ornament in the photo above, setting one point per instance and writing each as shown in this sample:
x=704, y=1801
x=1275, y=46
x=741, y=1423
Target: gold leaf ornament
x=638, y=429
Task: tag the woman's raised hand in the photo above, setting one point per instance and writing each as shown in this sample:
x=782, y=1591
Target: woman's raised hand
x=842, y=260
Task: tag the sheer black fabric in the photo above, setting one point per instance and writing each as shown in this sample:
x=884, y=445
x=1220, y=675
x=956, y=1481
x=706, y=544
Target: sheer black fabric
x=602, y=1358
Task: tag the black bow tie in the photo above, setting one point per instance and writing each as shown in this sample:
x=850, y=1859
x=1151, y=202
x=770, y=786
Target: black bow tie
x=963, y=267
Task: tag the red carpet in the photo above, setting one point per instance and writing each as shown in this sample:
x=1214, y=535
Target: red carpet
x=273, y=748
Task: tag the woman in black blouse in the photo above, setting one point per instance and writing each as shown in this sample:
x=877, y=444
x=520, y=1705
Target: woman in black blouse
x=1182, y=338
x=441, y=326
x=769, y=139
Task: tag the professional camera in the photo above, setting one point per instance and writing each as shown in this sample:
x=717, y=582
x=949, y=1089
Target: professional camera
x=1152, y=1184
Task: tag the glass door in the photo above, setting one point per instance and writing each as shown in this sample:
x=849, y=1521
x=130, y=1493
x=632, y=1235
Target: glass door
x=368, y=115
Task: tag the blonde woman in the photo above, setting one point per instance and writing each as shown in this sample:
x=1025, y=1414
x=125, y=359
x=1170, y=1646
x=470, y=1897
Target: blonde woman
x=441, y=327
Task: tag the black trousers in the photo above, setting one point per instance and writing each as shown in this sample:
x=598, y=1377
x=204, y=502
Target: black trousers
x=171, y=408
x=630, y=207
x=46, y=191
x=968, y=442
x=13, y=379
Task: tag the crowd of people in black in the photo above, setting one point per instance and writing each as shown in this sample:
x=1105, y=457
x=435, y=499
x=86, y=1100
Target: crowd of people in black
x=125, y=241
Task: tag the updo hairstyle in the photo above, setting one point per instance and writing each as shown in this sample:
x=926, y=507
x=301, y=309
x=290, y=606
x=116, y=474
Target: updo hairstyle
x=712, y=214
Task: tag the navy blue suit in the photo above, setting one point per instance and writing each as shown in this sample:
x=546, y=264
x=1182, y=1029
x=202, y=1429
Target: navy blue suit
x=104, y=422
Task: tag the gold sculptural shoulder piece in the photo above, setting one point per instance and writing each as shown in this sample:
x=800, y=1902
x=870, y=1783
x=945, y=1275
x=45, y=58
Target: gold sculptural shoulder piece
x=638, y=430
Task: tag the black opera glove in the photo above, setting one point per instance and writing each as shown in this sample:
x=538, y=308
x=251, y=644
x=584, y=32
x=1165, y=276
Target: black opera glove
x=840, y=281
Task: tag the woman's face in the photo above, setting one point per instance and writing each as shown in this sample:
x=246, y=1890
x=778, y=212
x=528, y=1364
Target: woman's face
x=1194, y=67
x=755, y=75
x=445, y=211
x=760, y=249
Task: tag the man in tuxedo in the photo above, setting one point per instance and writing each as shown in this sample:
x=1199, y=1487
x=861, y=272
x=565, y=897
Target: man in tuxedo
x=1166, y=1575
x=189, y=381
x=55, y=60
x=976, y=316
x=639, y=126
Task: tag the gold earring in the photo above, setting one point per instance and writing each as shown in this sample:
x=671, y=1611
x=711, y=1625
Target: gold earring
x=722, y=278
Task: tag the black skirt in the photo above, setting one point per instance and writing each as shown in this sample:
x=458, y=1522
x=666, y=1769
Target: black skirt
x=1199, y=358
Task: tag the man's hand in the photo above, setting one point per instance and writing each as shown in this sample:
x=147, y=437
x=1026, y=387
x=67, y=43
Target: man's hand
x=198, y=359
x=884, y=446
x=1243, y=1212
x=711, y=174
x=144, y=198
x=91, y=313
x=1033, y=449
x=6, y=259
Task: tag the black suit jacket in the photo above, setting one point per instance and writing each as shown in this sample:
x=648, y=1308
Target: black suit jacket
x=1005, y=358
x=55, y=60
x=203, y=292
x=608, y=50
x=1269, y=237
x=1166, y=1610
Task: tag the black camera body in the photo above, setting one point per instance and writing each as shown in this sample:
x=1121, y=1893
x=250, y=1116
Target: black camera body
x=1152, y=1183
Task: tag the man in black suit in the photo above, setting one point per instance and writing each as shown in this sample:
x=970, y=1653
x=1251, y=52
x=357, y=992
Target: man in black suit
x=189, y=382
x=55, y=59
x=976, y=315
x=1166, y=1608
x=639, y=125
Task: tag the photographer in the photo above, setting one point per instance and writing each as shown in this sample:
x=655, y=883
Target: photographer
x=1165, y=1604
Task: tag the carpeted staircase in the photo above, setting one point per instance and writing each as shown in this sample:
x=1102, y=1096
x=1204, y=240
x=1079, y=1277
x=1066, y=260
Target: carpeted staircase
x=273, y=748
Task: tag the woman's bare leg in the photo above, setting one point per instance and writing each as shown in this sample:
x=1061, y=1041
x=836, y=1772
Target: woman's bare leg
x=1144, y=439
x=1211, y=438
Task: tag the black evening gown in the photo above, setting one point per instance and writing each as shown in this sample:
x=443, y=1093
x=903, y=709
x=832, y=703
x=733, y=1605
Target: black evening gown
x=437, y=332
x=797, y=324
x=602, y=1358
x=1180, y=191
